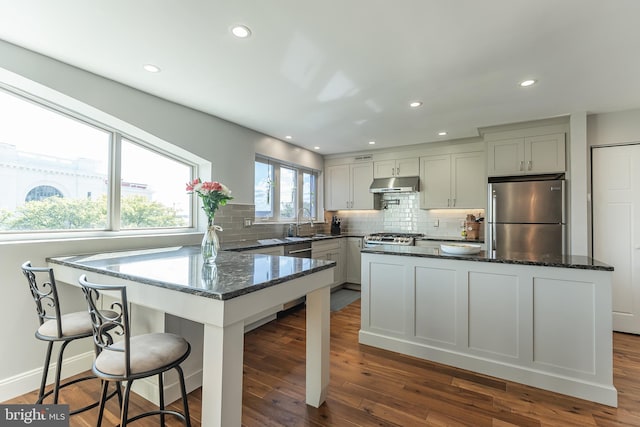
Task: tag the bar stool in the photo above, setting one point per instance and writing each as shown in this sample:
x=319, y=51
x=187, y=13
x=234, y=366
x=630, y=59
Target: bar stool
x=56, y=327
x=132, y=357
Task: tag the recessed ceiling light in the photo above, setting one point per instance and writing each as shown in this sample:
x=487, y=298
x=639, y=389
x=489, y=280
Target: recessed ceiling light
x=316, y=148
x=526, y=83
x=151, y=68
x=288, y=137
x=415, y=104
x=443, y=133
x=241, y=31
x=372, y=142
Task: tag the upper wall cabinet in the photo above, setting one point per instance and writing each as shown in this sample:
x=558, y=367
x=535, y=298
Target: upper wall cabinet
x=453, y=181
x=396, y=168
x=527, y=155
x=347, y=186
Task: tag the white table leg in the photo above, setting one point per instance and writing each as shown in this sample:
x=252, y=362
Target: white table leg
x=318, y=333
x=222, y=375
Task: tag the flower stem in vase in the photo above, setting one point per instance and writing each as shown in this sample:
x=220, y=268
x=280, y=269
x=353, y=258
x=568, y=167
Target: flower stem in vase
x=210, y=243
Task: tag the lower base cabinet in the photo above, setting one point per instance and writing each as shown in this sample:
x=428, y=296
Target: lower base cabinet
x=332, y=250
x=354, y=246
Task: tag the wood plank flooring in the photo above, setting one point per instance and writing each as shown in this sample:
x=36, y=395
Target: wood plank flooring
x=372, y=387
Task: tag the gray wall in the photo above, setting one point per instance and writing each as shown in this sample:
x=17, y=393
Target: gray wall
x=230, y=149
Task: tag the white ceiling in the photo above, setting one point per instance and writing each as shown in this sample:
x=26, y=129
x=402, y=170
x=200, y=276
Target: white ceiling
x=339, y=73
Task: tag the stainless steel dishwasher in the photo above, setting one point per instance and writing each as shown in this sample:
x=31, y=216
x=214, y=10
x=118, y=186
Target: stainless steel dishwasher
x=296, y=250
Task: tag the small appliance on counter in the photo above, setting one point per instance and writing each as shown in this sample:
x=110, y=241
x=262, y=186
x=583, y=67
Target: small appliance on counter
x=472, y=228
x=335, y=226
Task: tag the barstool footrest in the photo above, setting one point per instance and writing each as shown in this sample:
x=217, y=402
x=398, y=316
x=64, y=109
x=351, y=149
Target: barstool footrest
x=74, y=381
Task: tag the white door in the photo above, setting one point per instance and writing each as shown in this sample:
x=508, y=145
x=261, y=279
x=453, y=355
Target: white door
x=616, y=228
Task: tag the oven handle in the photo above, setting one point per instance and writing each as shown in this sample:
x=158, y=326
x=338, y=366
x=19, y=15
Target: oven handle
x=299, y=251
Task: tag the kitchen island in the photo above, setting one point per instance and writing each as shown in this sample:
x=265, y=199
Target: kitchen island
x=239, y=287
x=541, y=321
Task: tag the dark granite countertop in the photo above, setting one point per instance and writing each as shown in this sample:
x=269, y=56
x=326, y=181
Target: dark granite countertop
x=245, y=245
x=449, y=239
x=563, y=261
x=181, y=268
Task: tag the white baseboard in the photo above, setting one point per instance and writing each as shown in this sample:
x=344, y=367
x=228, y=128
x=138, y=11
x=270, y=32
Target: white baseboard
x=148, y=387
x=28, y=381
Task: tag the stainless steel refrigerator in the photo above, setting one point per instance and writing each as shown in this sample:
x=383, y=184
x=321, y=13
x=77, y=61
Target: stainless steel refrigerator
x=526, y=215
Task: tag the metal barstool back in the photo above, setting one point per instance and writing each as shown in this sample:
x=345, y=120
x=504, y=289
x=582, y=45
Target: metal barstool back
x=55, y=327
x=122, y=357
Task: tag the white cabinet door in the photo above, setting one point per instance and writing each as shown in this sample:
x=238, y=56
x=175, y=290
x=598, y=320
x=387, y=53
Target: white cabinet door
x=354, y=246
x=397, y=168
x=527, y=155
x=408, y=167
x=616, y=228
x=337, y=195
x=453, y=181
x=435, y=182
x=332, y=250
x=361, y=178
x=545, y=154
x=468, y=180
x=384, y=169
x=506, y=157
x=347, y=186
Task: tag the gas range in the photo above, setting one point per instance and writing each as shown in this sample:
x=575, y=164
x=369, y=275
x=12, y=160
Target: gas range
x=404, y=239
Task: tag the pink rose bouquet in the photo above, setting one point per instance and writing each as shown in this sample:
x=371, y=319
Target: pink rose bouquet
x=213, y=195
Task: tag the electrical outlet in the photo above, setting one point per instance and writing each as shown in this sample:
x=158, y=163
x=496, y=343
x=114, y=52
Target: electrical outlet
x=247, y=222
x=462, y=223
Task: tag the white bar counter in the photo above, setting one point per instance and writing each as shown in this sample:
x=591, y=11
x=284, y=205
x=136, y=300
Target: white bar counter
x=239, y=287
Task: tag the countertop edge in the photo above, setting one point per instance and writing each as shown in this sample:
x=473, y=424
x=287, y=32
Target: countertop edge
x=482, y=257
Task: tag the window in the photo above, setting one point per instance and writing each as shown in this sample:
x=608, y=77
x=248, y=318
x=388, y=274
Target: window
x=152, y=197
x=282, y=190
x=56, y=174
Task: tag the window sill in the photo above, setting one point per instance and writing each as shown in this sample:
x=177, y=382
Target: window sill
x=33, y=237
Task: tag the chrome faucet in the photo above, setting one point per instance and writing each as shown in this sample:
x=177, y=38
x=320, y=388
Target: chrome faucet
x=298, y=219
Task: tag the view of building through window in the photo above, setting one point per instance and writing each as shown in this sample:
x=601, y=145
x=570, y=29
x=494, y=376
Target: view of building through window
x=55, y=174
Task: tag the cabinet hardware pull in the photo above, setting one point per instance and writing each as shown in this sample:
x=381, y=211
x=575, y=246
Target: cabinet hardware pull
x=529, y=164
x=448, y=202
x=398, y=171
x=454, y=203
x=300, y=250
x=393, y=171
x=521, y=165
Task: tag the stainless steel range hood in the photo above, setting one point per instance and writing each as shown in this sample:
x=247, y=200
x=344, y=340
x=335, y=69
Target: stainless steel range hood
x=406, y=184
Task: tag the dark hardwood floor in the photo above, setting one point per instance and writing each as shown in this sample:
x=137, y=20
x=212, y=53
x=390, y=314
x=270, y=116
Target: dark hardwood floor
x=372, y=387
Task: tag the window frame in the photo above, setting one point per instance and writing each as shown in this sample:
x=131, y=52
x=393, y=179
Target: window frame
x=199, y=167
x=275, y=190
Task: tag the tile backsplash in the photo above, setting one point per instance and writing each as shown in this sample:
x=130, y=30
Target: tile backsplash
x=402, y=214
x=231, y=218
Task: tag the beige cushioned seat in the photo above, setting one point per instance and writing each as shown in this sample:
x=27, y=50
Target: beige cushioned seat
x=72, y=324
x=148, y=353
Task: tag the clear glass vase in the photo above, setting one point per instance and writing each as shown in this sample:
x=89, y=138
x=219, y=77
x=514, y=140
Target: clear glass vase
x=210, y=244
